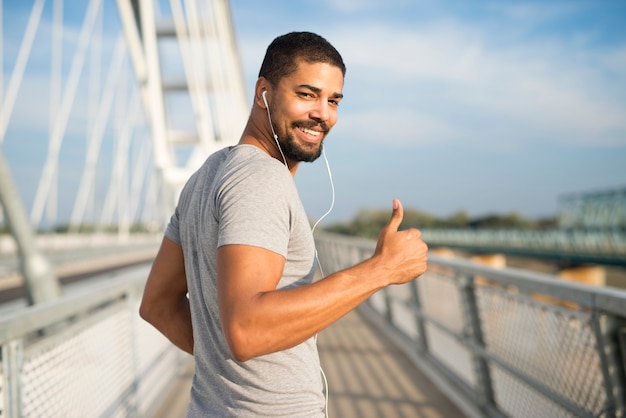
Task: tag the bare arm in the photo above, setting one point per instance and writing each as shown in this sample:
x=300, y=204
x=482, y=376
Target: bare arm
x=165, y=304
x=257, y=319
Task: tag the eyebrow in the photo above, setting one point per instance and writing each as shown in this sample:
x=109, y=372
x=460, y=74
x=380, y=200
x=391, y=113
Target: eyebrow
x=318, y=90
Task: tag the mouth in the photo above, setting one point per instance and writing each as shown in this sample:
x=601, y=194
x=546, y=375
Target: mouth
x=312, y=133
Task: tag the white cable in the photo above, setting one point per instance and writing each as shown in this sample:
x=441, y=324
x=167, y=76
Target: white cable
x=279, y=148
x=332, y=188
x=332, y=205
x=327, y=395
x=269, y=117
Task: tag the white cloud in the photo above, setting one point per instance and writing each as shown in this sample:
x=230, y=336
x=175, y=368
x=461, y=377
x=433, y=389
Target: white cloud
x=354, y=6
x=397, y=128
x=549, y=88
x=534, y=13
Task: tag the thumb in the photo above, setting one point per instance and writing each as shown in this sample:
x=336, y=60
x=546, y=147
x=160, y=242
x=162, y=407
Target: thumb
x=396, y=216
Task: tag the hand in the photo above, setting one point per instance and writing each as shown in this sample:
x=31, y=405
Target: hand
x=402, y=253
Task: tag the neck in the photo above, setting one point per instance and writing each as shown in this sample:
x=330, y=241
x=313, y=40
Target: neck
x=259, y=134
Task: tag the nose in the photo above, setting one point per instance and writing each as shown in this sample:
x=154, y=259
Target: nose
x=321, y=111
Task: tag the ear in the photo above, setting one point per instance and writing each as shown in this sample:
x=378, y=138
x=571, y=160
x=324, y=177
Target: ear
x=261, y=85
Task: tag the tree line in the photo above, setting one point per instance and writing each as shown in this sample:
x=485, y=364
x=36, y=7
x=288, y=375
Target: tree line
x=368, y=222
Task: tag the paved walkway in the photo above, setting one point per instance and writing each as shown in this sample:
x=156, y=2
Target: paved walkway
x=368, y=377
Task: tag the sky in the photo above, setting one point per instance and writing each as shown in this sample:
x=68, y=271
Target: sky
x=483, y=106
x=490, y=107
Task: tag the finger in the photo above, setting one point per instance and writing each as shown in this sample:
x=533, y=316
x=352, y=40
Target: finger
x=396, y=216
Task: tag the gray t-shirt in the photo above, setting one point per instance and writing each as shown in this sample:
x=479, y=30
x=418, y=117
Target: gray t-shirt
x=243, y=196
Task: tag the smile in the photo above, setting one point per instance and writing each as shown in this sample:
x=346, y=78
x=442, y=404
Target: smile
x=310, y=131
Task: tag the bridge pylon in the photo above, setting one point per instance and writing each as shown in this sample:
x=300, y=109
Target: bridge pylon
x=187, y=66
x=40, y=282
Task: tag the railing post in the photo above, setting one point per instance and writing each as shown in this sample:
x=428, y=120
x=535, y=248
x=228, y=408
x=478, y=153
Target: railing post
x=11, y=365
x=131, y=304
x=422, y=340
x=473, y=331
x=607, y=329
x=388, y=302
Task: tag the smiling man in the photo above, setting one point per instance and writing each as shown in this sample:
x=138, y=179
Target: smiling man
x=240, y=245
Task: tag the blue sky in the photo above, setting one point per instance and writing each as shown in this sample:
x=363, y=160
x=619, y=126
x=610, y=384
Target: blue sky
x=486, y=106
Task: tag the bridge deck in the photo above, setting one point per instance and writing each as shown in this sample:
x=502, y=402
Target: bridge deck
x=367, y=376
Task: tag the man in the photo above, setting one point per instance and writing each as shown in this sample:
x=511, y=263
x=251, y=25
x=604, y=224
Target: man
x=241, y=245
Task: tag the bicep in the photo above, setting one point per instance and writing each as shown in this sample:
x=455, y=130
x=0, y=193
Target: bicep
x=245, y=272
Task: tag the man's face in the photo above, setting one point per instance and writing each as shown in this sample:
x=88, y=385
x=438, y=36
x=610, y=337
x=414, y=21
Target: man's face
x=305, y=109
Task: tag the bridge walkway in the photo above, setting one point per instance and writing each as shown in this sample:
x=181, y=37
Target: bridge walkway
x=367, y=375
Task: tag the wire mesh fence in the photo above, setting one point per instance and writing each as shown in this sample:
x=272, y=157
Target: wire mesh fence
x=507, y=343
x=86, y=355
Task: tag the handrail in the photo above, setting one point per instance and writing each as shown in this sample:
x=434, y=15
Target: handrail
x=502, y=342
x=86, y=354
x=499, y=342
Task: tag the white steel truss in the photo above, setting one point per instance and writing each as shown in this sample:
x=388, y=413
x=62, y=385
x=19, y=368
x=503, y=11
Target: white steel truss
x=118, y=108
x=212, y=82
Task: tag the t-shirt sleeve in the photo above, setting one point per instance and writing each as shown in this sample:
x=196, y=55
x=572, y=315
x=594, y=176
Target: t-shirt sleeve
x=253, y=208
x=172, y=231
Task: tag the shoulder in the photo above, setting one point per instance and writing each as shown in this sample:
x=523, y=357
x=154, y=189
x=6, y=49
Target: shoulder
x=208, y=168
x=254, y=201
x=249, y=164
x=251, y=155
x=251, y=180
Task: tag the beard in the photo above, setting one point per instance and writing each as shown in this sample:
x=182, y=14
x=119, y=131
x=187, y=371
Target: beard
x=304, y=152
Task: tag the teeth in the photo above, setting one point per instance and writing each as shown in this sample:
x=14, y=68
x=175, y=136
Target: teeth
x=309, y=131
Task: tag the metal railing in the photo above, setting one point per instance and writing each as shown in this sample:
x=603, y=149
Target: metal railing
x=87, y=354
x=502, y=342
x=499, y=342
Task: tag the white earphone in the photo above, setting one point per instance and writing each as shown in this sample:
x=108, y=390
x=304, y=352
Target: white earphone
x=264, y=98
x=332, y=204
x=269, y=117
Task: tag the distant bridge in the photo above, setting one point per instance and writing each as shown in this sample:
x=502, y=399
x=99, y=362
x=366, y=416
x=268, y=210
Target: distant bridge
x=607, y=247
x=592, y=229
x=600, y=209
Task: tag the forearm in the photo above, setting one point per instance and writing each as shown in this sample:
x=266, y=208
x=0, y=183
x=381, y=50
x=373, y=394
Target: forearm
x=259, y=319
x=279, y=319
x=165, y=304
x=174, y=322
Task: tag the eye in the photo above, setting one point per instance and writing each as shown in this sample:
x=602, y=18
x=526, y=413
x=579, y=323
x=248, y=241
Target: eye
x=305, y=95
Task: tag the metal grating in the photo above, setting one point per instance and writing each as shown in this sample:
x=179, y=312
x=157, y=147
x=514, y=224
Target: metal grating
x=401, y=310
x=556, y=347
x=518, y=400
x=87, y=355
x=87, y=374
x=440, y=299
x=3, y=389
x=159, y=361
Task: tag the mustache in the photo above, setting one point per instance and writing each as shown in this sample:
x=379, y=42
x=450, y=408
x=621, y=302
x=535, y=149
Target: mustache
x=311, y=124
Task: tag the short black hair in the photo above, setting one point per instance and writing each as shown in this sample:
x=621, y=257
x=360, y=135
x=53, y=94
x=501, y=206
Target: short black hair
x=282, y=55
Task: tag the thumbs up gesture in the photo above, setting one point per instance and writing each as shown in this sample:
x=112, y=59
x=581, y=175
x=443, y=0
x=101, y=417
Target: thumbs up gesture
x=402, y=254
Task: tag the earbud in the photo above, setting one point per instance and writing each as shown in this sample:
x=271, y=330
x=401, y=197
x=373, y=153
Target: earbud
x=267, y=108
x=264, y=99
